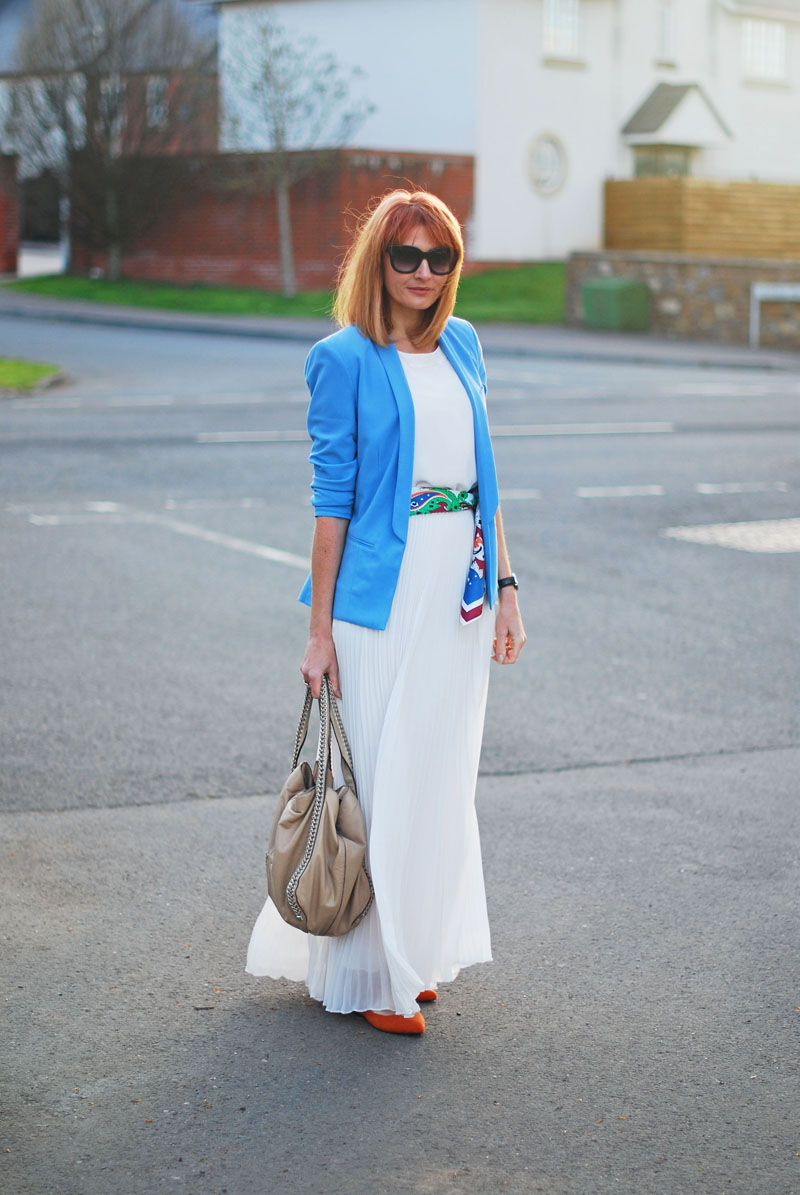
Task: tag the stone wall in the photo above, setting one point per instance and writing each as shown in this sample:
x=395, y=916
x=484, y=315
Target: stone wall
x=704, y=298
x=696, y=215
x=9, y=214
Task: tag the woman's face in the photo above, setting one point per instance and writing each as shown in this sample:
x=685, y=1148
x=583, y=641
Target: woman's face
x=417, y=291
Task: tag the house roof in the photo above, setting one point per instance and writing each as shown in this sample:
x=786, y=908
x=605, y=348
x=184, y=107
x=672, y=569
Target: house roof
x=780, y=10
x=662, y=104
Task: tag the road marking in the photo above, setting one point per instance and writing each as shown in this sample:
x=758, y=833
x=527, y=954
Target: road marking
x=74, y=520
x=212, y=503
x=583, y=429
x=620, y=491
x=263, y=551
x=287, y=437
x=741, y=487
x=519, y=495
x=767, y=535
x=724, y=389
x=503, y=432
x=113, y=512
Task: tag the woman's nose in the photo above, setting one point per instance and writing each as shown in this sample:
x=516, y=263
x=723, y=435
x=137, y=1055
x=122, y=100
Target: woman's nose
x=424, y=269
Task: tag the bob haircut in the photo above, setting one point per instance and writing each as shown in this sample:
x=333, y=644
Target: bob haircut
x=361, y=296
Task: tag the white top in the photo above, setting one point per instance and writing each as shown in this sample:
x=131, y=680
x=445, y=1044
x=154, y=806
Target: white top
x=444, y=435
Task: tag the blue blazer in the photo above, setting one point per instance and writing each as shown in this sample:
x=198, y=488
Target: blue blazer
x=361, y=423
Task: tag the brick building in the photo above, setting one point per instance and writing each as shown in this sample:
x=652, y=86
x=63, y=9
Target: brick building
x=224, y=230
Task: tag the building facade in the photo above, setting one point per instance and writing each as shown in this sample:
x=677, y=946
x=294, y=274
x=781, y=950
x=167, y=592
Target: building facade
x=553, y=97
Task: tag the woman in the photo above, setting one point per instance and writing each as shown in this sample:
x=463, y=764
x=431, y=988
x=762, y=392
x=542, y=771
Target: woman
x=404, y=611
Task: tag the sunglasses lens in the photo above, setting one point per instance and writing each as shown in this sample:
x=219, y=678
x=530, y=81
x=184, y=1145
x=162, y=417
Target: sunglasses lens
x=405, y=258
x=441, y=261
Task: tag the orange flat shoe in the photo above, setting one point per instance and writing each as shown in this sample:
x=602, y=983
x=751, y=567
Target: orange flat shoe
x=427, y=996
x=392, y=1023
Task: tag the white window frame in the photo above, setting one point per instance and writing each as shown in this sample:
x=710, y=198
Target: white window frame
x=157, y=101
x=666, y=40
x=562, y=29
x=764, y=49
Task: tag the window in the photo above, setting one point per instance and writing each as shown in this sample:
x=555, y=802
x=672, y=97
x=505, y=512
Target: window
x=157, y=103
x=661, y=160
x=764, y=50
x=665, y=30
x=562, y=28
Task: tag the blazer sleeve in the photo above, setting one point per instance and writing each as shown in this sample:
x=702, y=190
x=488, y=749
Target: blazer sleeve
x=332, y=426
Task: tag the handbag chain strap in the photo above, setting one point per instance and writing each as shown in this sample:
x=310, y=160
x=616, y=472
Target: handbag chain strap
x=327, y=706
x=336, y=718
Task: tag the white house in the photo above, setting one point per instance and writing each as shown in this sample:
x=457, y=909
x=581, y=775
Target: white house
x=554, y=96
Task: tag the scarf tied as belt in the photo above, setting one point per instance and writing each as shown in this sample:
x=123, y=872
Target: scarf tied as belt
x=424, y=502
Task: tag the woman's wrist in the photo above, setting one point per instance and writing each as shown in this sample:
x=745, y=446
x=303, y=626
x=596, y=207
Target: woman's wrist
x=507, y=595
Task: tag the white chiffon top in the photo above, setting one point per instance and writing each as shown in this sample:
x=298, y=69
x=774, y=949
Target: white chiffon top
x=444, y=436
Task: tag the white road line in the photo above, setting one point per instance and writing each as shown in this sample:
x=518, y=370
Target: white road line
x=112, y=512
x=583, y=429
x=620, y=491
x=74, y=520
x=519, y=495
x=165, y=400
x=722, y=389
x=503, y=432
x=263, y=551
x=767, y=535
x=287, y=437
x=741, y=487
x=212, y=503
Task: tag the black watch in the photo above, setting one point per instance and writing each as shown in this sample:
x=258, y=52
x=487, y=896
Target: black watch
x=505, y=581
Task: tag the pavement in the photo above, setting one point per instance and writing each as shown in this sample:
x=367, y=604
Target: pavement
x=533, y=340
x=636, y=1034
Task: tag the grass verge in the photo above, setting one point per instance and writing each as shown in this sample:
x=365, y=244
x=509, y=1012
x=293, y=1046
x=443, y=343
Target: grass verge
x=532, y=294
x=529, y=294
x=204, y=300
x=21, y=376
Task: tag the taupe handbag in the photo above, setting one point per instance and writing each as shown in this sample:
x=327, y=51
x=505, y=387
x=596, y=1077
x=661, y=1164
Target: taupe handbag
x=316, y=859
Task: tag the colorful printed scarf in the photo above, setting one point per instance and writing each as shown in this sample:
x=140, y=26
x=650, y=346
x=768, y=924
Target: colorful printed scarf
x=424, y=502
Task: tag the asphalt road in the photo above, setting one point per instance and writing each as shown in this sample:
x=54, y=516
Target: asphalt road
x=637, y=796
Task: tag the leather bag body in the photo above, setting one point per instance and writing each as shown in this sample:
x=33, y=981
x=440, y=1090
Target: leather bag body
x=316, y=859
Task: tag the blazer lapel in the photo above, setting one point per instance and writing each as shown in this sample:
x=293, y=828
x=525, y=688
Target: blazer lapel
x=464, y=366
x=405, y=453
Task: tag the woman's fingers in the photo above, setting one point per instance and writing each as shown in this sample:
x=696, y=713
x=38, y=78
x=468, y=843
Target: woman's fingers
x=510, y=638
x=316, y=664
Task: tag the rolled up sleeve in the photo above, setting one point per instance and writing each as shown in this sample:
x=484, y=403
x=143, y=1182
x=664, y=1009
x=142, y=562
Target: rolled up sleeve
x=332, y=426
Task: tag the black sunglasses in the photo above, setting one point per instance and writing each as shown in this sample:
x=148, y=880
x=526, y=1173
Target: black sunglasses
x=406, y=259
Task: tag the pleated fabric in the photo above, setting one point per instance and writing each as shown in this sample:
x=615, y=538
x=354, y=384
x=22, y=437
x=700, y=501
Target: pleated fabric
x=413, y=705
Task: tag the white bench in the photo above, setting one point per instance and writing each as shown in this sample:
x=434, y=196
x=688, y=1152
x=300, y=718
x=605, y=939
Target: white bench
x=781, y=292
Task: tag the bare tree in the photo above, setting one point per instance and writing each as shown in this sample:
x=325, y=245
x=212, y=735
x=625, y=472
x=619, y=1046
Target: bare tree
x=92, y=88
x=289, y=98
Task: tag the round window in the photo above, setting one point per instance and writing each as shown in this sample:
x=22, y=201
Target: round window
x=547, y=164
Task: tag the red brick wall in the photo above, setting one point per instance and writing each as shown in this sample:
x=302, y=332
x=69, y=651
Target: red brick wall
x=225, y=230
x=9, y=215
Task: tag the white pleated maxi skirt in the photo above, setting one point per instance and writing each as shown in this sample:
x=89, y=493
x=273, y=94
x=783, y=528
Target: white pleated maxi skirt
x=413, y=705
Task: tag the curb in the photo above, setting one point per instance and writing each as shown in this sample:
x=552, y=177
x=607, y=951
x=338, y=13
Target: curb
x=307, y=330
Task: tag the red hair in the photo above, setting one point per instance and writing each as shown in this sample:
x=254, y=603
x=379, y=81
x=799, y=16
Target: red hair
x=361, y=297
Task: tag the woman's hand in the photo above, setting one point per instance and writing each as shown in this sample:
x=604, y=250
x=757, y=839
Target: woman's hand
x=320, y=657
x=509, y=633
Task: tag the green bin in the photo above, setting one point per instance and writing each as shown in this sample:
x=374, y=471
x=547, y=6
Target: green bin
x=620, y=304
